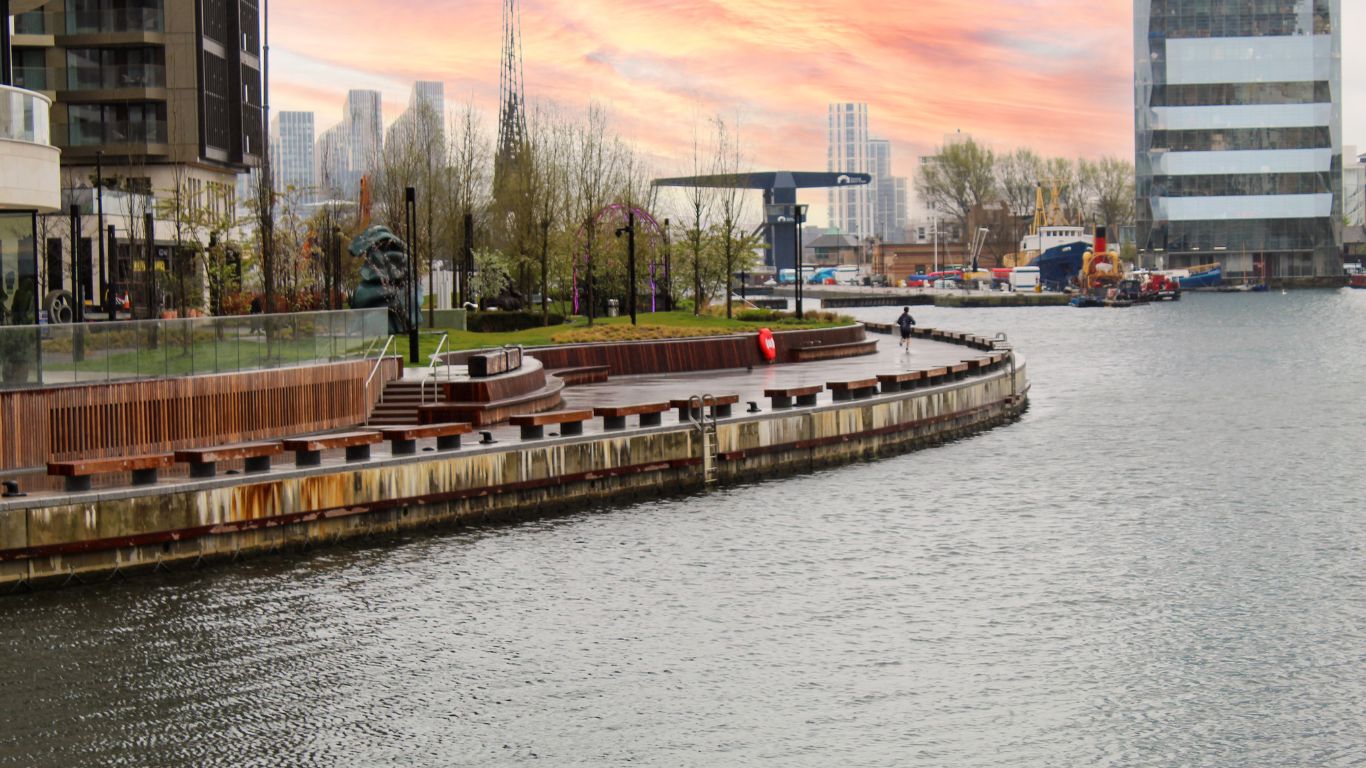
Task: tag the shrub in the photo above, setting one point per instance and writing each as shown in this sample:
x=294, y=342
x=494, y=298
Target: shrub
x=505, y=322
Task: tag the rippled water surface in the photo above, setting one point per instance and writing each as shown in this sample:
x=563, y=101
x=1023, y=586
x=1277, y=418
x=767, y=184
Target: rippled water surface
x=1161, y=564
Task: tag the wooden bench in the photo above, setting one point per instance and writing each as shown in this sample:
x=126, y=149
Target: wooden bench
x=959, y=371
x=721, y=407
x=204, y=461
x=485, y=364
x=403, y=439
x=900, y=382
x=533, y=424
x=583, y=374
x=854, y=389
x=614, y=416
x=833, y=351
x=78, y=471
x=308, y=451
x=937, y=375
x=782, y=397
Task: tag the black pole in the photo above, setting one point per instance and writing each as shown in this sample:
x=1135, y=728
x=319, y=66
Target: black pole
x=668, y=273
x=631, y=263
x=77, y=302
x=797, y=216
x=103, y=294
x=545, y=248
x=148, y=227
x=467, y=267
x=109, y=291
x=409, y=210
x=6, y=63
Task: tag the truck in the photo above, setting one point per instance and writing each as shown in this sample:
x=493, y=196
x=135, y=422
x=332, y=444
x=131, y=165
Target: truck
x=1024, y=278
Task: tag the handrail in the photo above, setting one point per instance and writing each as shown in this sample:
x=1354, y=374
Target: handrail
x=431, y=368
x=378, y=361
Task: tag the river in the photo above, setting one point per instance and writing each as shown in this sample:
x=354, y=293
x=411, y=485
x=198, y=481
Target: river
x=1161, y=564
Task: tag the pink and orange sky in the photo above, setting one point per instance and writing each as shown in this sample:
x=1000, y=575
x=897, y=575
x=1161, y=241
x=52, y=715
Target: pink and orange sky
x=1055, y=75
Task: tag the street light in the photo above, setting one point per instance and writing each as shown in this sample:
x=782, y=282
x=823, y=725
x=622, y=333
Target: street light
x=630, y=231
x=410, y=216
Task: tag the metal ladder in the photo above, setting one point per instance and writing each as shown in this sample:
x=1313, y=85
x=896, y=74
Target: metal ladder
x=706, y=430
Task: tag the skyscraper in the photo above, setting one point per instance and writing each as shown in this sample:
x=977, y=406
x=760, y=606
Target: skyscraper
x=364, y=118
x=888, y=192
x=850, y=208
x=1238, y=134
x=426, y=106
x=291, y=147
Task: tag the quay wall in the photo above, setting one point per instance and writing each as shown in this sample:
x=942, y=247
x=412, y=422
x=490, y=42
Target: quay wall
x=99, y=535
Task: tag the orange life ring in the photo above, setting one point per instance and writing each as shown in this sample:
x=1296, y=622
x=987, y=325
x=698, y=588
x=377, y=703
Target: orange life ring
x=767, y=347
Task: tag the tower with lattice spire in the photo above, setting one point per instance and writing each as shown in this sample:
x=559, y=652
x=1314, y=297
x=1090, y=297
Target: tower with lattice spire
x=511, y=110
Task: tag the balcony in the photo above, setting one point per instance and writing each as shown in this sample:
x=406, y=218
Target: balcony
x=115, y=21
x=29, y=164
x=108, y=78
x=117, y=132
x=33, y=78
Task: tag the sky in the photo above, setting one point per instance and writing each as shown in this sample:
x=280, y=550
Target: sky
x=1053, y=75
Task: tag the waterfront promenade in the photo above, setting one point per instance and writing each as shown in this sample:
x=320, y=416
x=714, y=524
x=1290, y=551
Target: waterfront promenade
x=965, y=386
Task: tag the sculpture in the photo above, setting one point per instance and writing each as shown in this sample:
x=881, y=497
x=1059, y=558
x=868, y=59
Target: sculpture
x=384, y=277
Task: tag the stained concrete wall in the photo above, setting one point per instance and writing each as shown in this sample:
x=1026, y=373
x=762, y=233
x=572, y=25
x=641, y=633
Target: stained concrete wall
x=99, y=534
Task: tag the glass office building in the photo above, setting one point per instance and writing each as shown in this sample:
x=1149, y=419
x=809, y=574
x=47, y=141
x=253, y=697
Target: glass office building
x=1238, y=136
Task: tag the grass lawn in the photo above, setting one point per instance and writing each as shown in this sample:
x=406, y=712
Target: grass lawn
x=658, y=325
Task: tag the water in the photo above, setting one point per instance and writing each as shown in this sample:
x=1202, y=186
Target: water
x=1161, y=564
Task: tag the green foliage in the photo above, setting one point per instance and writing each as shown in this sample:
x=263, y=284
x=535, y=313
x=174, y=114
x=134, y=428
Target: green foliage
x=506, y=322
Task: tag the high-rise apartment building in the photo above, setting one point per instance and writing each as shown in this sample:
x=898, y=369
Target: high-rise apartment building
x=291, y=152
x=850, y=208
x=167, y=95
x=426, y=108
x=889, y=194
x=351, y=149
x=1239, y=136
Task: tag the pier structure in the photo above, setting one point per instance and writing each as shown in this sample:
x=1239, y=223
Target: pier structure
x=625, y=438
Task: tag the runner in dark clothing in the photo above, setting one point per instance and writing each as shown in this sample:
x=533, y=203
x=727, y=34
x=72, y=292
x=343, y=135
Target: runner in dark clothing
x=905, y=323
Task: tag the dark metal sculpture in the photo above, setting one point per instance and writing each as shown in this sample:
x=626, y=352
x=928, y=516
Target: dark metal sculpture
x=384, y=277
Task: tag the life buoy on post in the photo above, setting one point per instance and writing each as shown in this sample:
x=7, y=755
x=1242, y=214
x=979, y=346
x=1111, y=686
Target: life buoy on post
x=767, y=347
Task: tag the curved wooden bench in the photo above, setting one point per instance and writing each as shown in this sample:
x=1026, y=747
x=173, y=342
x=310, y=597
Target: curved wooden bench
x=403, y=439
x=900, y=382
x=78, y=471
x=721, y=407
x=854, y=389
x=204, y=461
x=614, y=416
x=782, y=397
x=833, y=351
x=308, y=451
x=533, y=424
x=583, y=374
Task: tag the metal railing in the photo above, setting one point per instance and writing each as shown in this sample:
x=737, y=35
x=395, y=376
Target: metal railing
x=24, y=115
x=431, y=367
x=94, y=352
x=375, y=370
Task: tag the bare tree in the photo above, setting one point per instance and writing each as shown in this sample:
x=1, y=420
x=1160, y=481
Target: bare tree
x=594, y=178
x=958, y=179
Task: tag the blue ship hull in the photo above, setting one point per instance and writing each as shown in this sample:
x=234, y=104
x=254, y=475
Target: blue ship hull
x=1208, y=279
x=1060, y=265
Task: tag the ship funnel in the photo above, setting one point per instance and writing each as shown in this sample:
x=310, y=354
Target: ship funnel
x=1101, y=242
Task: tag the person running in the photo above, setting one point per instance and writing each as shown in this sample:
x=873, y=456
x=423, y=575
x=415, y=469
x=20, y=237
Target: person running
x=905, y=323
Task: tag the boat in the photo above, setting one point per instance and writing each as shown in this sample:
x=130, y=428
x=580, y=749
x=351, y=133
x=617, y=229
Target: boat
x=1356, y=275
x=1201, y=276
x=1060, y=264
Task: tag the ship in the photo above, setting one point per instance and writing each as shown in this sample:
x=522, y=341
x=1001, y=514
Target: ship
x=1356, y=275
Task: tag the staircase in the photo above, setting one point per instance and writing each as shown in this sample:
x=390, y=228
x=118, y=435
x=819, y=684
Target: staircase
x=399, y=403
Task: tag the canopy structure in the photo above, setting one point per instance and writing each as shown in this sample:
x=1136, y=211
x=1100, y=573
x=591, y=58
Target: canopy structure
x=778, y=187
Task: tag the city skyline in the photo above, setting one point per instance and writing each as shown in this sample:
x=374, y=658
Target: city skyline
x=1060, y=83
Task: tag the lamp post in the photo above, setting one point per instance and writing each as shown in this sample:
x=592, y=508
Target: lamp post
x=409, y=214
x=103, y=294
x=800, y=215
x=794, y=214
x=668, y=272
x=545, y=248
x=630, y=231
